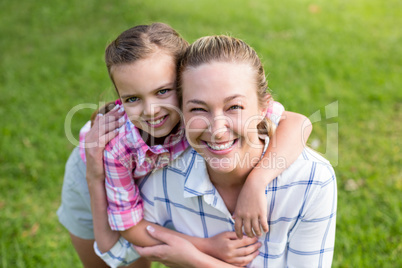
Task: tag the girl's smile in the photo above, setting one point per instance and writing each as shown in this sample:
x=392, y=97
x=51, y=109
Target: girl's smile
x=157, y=122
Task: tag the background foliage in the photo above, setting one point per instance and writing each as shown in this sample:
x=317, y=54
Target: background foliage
x=315, y=53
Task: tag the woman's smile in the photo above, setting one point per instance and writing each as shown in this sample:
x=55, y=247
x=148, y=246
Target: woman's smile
x=221, y=147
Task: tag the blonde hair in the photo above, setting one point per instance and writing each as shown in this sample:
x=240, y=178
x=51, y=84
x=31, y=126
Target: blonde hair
x=222, y=48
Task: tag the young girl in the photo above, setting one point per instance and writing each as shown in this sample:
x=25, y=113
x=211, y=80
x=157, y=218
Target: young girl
x=142, y=65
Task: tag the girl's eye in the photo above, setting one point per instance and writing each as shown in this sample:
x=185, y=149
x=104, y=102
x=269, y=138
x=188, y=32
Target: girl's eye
x=163, y=91
x=132, y=99
x=236, y=107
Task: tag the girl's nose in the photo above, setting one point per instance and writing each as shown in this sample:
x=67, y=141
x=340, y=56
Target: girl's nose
x=151, y=108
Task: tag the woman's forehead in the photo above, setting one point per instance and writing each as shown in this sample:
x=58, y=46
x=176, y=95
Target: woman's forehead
x=218, y=78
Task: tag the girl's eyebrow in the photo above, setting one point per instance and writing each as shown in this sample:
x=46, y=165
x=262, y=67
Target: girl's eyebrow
x=127, y=96
x=227, y=99
x=164, y=86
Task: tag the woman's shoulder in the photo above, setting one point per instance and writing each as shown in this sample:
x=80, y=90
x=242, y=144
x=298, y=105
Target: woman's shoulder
x=310, y=167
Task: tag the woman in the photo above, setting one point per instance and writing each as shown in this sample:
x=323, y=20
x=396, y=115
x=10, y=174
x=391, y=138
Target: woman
x=223, y=96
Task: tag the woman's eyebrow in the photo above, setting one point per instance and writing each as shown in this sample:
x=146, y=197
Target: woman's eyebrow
x=195, y=101
x=227, y=99
x=234, y=97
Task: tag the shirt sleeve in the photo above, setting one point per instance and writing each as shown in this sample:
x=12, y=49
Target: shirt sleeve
x=121, y=254
x=125, y=204
x=83, y=132
x=275, y=111
x=312, y=242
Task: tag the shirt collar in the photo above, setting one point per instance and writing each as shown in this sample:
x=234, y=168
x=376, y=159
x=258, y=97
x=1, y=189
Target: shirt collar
x=197, y=182
x=138, y=142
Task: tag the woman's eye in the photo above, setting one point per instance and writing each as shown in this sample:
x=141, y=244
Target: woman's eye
x=132, y=99
x=235, y=107
x=197, y=110
x=163, y=91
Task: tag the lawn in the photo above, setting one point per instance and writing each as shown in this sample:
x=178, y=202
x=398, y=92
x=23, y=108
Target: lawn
x=338, y=62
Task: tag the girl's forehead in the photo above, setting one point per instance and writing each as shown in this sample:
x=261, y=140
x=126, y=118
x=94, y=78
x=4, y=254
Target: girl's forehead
x=145, y=75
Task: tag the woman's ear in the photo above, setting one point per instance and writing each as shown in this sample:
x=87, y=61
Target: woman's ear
x=265, y=105
x=264, y=111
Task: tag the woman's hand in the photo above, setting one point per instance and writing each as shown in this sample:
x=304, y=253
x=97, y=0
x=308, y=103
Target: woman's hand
x=227, y=247
x=251, y=209
x=178, y=252
x=102, y=131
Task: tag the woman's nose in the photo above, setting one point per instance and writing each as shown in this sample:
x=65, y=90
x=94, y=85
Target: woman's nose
x=219, y=127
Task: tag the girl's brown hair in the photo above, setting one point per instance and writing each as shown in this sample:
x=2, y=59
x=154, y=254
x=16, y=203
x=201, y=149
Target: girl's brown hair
x=140, y=42
x=222, y=48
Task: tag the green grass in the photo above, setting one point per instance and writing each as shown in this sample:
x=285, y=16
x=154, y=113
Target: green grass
x=315, y=53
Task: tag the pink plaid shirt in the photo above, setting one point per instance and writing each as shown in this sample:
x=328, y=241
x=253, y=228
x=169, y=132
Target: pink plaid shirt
x=128, y=158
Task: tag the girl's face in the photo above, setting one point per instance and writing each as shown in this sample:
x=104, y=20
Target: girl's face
x=221, y=113
x=148, y=92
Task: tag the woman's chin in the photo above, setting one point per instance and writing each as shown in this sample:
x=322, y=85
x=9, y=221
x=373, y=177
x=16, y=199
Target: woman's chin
x=220, y=165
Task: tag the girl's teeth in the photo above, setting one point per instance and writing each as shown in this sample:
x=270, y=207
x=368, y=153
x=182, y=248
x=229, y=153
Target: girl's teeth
x=220, y=146
x=156, y=122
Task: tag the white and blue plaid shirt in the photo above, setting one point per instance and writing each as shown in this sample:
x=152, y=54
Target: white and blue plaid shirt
x=301, y=206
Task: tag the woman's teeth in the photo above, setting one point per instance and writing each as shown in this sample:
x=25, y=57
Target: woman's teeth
x=220, y=147
x=156, y=121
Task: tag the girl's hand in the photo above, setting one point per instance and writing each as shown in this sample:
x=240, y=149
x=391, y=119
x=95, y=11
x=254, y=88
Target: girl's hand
x=227, y=247
x=251, y=210
x=102, y=131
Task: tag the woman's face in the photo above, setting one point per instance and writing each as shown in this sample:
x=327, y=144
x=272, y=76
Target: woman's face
x=221, y=114
x=147, y=89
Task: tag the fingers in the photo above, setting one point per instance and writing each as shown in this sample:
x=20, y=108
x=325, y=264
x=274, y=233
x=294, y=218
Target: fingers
x=256, y=226
x=109, y=122
x=112, y=115
x=264, y=224
x=160, y=236
x=239, y=227
x=247, y=228
x=152, y=253
x=243, y=261
x=117, y=111
x=104, y=129
x=103, y=140
x=252, y=227
x=230, y=235
x=246, y=241
x=244, y=251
